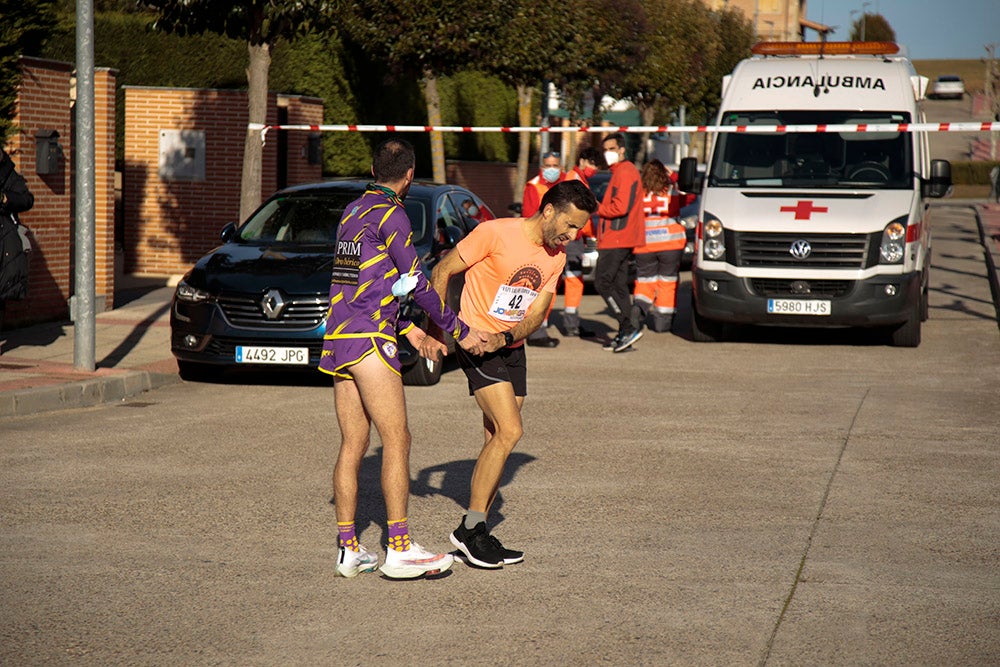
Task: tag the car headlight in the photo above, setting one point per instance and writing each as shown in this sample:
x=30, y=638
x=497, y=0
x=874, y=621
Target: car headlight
x=893, y=245
x=689, y=221
x=189, y=294
x=713, y=245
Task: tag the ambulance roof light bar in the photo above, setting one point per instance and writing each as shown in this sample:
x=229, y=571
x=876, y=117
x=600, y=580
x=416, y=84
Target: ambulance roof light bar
x=824, y=48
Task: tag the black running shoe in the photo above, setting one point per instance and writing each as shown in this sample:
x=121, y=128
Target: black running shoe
x=510, y=556
x=479, y=547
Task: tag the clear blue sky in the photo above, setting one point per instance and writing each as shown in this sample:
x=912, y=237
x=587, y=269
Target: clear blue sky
x=929, y=29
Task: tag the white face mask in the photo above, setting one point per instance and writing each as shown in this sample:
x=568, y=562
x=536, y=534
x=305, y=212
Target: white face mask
x=550, y=174
x=611, y=157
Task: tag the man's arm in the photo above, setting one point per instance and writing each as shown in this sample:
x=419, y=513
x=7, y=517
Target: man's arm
x=450, y=265
x=619, y=198
x=534, y=317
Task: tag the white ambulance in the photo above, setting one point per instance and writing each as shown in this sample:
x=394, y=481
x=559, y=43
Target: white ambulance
x=816, y=228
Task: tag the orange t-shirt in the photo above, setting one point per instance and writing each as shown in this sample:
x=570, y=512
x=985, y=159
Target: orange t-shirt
x=506, y=274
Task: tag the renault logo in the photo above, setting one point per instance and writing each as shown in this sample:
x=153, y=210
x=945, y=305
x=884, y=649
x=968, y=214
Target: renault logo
x=800, y=249
x=272, y=304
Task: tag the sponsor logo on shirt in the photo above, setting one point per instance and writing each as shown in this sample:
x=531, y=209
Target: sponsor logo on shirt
x=347, y=263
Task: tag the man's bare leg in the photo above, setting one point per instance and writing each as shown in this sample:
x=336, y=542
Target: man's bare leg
x=502, y=409
x=381, y=394
x=355, y=427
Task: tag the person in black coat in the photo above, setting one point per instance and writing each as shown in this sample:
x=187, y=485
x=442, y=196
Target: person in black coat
x=15, y=197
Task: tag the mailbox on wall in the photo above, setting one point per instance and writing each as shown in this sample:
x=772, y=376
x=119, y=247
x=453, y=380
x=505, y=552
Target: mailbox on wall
x=47, y=152
x=182, y=155
x=315, y=148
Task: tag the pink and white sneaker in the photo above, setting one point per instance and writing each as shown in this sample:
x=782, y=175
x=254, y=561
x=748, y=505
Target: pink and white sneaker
x=414, y=562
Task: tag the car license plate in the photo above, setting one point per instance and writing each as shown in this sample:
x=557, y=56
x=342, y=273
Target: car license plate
x=798, y=307
x=248, y=354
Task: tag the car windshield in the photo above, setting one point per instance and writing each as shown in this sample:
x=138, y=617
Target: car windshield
x=881, y=160
x=297, y=219
x=313, y=218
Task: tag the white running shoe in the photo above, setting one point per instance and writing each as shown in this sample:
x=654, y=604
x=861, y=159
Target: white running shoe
x=350, y=562
x=414, y=562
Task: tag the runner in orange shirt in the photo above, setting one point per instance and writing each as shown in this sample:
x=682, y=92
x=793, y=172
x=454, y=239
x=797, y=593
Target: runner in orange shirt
x=511, y=269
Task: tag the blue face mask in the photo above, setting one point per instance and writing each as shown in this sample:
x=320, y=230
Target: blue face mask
x=550, y=174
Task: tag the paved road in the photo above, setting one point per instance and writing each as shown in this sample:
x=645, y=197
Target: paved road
x=793, y=498
x=952, y=146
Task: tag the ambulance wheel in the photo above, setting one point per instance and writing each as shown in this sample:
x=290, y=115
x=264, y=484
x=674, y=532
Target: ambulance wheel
x=925, y=305
x=423, y=373
x=704, y=330
x=907, y=334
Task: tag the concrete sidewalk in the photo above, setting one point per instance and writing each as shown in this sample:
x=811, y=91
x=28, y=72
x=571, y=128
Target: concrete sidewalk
x=132, y=355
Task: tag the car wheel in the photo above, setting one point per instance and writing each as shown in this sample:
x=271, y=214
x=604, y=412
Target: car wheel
x=423, y=373
x=195, y=372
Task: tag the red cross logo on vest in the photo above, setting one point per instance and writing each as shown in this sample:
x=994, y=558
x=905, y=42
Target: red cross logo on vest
x=803, y=210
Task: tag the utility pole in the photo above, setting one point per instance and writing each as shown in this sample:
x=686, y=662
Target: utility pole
x=82, y=302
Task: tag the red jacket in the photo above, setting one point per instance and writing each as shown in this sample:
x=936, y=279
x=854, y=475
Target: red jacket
x=536, y=188
x=623, y=223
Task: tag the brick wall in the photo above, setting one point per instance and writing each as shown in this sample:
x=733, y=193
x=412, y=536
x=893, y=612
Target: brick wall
x=44, y=103
x=104, y=188
x=170, y=223
x=493, y=181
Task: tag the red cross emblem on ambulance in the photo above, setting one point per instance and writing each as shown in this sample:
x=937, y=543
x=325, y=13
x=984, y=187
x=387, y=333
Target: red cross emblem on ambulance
x=803, y=210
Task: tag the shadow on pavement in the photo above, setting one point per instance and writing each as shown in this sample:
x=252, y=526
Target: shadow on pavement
x=130, y=341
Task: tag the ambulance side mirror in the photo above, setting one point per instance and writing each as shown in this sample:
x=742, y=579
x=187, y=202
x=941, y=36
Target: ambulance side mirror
x=687, y=176
x=939, y=184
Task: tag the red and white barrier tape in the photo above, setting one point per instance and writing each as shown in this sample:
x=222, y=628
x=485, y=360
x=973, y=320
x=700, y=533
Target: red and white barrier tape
x=719, y=129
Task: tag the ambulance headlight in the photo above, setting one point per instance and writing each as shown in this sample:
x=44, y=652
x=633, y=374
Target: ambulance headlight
x=713, y=243
x=893, y=246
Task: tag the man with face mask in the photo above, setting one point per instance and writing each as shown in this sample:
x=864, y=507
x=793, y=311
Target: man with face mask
x=549, y=174
x=622, y=227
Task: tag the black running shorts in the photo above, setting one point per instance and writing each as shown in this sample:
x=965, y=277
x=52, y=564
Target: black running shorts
x=508, y=364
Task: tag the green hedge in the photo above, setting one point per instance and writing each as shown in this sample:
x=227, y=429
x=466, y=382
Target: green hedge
x=971, y=173
x=353, y=88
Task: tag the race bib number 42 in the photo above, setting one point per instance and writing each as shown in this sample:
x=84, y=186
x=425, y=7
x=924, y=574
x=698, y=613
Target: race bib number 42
x=511, y=303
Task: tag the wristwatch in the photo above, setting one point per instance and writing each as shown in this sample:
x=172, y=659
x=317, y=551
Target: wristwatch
x=508, y=338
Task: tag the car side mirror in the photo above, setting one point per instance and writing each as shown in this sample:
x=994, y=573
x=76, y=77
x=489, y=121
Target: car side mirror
x=228, y=232
x=687, y=176
x=939, y=183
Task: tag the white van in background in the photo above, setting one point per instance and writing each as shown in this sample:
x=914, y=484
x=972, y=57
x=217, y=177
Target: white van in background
x=816, y=229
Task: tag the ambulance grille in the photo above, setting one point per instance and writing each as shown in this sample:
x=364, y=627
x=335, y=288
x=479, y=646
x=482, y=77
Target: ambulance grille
x=827, y=251
x=772, y=287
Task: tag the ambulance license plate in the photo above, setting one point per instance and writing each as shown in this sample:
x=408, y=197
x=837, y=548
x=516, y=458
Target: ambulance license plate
x=798, y=307
x=248, y=354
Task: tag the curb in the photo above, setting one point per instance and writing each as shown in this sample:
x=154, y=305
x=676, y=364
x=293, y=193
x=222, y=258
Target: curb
x=83, y=394
x=991, y=250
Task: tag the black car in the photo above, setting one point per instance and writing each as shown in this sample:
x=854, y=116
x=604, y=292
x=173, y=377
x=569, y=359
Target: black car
x=260, y=299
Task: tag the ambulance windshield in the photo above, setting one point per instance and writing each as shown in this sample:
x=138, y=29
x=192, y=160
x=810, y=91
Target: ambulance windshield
x=851, y=160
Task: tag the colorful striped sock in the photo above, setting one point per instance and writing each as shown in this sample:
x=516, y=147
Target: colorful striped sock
x=348, y=538
x=399, y=535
